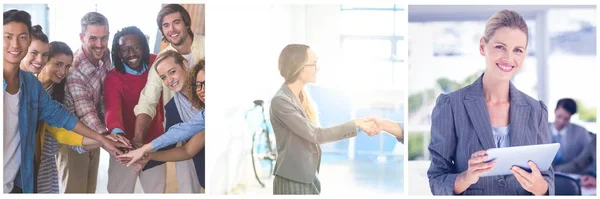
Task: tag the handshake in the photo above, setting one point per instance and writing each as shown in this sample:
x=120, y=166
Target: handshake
x=374, y=125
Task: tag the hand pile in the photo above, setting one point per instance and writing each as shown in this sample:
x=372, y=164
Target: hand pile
x=127, y=153
x=116, y=144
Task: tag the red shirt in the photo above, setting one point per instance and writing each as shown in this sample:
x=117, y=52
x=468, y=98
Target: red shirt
x=121, y=94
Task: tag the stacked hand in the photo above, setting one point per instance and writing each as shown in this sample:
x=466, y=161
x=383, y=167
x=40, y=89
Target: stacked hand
x=139, y=165
x=134, y=156
x=112, y=143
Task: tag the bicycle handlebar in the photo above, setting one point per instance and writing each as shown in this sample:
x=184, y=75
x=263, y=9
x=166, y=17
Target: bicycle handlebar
x=259, y=102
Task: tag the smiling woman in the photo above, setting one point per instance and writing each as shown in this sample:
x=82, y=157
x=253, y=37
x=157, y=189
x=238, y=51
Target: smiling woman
x=38, y=52
x=497, y=113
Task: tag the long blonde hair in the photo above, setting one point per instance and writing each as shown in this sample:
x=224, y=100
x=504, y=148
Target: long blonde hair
x=291, y=62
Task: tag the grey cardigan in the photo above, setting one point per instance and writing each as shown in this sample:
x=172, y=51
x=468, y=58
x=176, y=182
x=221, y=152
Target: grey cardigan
x=461, y=126
x=298, y=139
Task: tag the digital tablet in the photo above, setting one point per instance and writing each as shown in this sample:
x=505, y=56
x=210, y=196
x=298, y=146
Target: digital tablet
x=542, y=155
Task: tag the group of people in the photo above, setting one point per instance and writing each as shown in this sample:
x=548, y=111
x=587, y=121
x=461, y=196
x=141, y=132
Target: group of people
x=62, y=106
x=493, y=113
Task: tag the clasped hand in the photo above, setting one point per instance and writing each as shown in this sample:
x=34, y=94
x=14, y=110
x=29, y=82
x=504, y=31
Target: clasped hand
x=369, y=126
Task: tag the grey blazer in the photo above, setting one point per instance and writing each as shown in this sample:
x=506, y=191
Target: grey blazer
x=584, y=163
x=461, y=126
x=298, y=139
x=572, y=143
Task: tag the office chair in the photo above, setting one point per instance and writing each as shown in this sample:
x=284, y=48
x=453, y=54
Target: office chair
x=566, y=185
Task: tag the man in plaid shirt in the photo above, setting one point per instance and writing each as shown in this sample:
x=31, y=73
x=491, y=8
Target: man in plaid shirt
x=78, y=169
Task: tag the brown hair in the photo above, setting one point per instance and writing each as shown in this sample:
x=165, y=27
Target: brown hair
x=505, y=18
x=196, y=102
x=173, y=8
x=291, y=62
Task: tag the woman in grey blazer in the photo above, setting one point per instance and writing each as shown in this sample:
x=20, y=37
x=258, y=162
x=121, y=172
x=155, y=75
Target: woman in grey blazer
x=490, y=113
x=297, y=133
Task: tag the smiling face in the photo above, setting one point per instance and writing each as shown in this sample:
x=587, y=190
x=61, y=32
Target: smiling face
x=172, y=74
x=57, y=67
x=37, y=56
x=95, y=41
x=174, y=28
x=131, y=50
x=16, y=42
x=504, y=52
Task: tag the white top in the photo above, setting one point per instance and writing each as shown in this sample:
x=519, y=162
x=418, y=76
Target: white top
x=190, y=59
x=12, y=140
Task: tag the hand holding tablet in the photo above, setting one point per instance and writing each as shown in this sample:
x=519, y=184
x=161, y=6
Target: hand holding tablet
x=524, y=162
x=542, y=155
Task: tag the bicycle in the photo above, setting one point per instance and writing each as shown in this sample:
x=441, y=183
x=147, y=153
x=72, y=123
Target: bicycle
x=263, y=151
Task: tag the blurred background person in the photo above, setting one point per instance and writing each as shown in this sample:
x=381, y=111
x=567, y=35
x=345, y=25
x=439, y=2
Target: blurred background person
x=573, y=138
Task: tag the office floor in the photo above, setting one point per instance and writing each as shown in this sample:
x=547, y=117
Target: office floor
x=362, y=176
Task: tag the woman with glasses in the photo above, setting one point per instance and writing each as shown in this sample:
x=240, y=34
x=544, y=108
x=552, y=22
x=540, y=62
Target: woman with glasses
x=185, y=118
x=296, y=126
x=131, y=58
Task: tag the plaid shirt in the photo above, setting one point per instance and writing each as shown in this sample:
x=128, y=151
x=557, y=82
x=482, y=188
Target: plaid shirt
x=84, y=91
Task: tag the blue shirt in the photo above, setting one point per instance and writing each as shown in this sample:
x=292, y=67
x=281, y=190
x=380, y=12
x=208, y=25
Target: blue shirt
x=180, y=132
x=134, y=72
x=501, y=136
x=38, y=105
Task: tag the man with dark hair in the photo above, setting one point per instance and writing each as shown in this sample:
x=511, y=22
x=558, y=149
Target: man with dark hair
x=572, y=138
x=78, y=169
x=132, y=59
x=26, y=102
x=174, y=22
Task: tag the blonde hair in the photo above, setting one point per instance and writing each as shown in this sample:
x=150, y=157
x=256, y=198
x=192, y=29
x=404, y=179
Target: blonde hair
x=504, y=18
x=291, y=62
x=178, y=59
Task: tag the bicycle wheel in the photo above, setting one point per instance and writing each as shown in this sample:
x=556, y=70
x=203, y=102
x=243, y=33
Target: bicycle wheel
x=262, y=157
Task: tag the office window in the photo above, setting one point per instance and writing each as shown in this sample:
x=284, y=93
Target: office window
x=372, y=40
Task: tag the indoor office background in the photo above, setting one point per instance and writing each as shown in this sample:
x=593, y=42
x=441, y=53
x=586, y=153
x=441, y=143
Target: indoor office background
x=361, y=63
x=62, y=23
x=444, y=56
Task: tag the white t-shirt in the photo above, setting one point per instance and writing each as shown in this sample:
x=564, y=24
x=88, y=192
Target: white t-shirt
x=190, y=59
x=12, y=140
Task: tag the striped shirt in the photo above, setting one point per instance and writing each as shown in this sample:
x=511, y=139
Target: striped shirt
x=47, y=178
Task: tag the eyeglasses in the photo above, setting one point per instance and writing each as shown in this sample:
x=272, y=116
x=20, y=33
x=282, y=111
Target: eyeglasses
x=198, y=85
x=125, y=49
x=313, y=65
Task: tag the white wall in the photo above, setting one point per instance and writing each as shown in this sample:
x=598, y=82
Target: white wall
x=242, y=62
